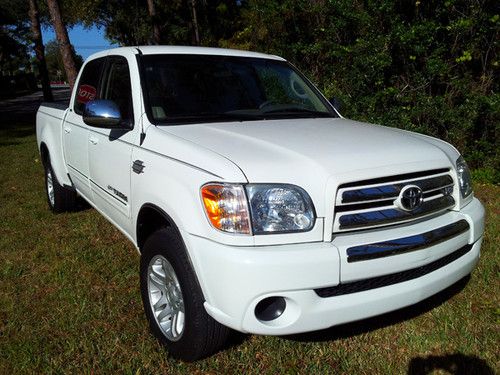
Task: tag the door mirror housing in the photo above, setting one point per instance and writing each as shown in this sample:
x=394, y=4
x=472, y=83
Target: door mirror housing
x=103, y=114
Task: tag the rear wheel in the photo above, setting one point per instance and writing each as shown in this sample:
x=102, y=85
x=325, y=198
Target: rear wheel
x=173, y=300
x=59, y=198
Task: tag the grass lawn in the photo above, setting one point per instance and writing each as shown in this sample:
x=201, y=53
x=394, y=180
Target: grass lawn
x=70, y=301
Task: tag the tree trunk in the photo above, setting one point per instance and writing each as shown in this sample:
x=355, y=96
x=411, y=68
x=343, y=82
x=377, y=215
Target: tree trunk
x=63, y=40
x=195, y=23
x=40, y=50
x=154, y=22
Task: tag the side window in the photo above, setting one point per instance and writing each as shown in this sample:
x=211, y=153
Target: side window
x=116, y=86
x=88, y=84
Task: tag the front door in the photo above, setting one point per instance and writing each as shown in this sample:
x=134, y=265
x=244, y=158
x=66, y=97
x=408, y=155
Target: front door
x=110, y=150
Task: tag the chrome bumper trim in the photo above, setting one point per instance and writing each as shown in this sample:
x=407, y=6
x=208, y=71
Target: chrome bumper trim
x=406, y=244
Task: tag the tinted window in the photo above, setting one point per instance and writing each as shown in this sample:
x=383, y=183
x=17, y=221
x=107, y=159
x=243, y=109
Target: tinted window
x=186, y=88
x=88, y=84
x=116, y=86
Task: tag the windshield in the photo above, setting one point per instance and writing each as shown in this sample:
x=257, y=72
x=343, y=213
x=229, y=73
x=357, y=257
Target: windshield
x=205, y=88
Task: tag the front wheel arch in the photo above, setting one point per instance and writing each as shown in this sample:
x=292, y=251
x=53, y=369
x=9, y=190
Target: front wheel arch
x=150, y=219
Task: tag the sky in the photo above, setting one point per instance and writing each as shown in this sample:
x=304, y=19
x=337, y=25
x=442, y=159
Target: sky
x=85, y=41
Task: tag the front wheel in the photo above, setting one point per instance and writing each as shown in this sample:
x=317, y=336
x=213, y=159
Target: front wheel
x=173, y=300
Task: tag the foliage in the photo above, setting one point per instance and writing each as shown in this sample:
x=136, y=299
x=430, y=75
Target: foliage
x=14, y=54
x=55, y=64
x=430, y=67
x=127, y=21
x=425, y=66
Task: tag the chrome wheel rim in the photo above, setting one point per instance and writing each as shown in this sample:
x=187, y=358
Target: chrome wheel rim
x=165, y=298
x=50, y=188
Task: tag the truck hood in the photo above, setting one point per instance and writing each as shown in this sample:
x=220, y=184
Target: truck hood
x=309, y=152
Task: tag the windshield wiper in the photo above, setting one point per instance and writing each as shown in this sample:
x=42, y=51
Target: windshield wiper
x=213, y=117
x=297, y=110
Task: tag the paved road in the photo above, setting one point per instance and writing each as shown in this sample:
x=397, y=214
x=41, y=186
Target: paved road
x=23, y=109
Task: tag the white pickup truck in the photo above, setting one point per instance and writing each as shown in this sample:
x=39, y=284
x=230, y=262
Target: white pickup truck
x=254, y=204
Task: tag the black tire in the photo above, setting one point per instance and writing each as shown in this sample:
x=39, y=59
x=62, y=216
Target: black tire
x=202, y=335
x=64, y=199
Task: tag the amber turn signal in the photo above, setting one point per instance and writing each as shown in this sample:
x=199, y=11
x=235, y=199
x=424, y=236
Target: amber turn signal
x=226, y=207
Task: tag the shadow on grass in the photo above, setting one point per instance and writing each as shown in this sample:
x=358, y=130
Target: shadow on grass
x=235, y=339
x=7, y=143
x=81, y=205
x=11, y=131
x=17, y=120
x=381, y=321
x=455, y=364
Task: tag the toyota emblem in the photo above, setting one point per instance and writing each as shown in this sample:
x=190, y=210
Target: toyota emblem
x=410, y=198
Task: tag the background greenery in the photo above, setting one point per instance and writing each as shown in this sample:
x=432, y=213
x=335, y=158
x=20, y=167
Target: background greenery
x=425, y=66
x=428, y=66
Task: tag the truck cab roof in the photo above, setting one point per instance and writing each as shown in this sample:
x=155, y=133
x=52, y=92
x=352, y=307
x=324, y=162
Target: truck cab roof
x=185, y=50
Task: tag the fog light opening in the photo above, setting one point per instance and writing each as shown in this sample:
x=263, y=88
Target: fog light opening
x=270, y=308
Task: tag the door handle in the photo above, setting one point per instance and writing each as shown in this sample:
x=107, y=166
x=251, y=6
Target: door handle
x=93, y=140
x=67, y=129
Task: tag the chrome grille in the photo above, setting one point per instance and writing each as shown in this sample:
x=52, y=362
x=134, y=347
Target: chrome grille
x=372, y=203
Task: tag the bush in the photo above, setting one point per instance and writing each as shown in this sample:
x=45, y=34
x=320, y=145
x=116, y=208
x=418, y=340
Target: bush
x=430, y=67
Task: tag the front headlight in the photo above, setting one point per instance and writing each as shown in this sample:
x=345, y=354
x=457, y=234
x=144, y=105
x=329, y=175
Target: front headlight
x=279, y=208
x=464, y=178
x=273, y=208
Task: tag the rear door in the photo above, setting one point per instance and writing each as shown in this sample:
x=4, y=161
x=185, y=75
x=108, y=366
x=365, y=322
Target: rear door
x=75, y=131
x=110, y=150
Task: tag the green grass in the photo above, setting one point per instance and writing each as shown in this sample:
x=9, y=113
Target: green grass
x=70, y=302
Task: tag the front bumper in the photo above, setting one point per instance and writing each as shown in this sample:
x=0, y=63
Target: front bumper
x=235, y=279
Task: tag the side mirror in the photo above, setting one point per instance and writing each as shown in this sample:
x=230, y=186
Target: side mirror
x=337, y=104
x=102, y=114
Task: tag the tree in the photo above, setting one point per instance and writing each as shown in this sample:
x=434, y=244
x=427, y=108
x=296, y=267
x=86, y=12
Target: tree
x=430, y=67
x=64, y=42
x=154, y=22
x=181, y=22
x=40, y=50
x=55, y=63
x=196, y=28
x=14, y=34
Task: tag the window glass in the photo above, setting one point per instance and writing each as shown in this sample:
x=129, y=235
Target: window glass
x=88, y=84
x=282, y=85
x=187, y=88
x=116, y=86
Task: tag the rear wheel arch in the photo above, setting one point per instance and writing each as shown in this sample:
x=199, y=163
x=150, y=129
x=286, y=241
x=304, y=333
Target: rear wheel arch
x=44, y=154
x=49, y=158
x=59, y=198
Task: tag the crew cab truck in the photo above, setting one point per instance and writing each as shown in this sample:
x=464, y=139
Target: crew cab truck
x=254, y=205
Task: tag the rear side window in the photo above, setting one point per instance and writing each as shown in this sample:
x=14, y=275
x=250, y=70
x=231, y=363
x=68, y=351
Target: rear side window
x=88, y=84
